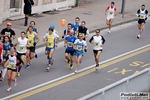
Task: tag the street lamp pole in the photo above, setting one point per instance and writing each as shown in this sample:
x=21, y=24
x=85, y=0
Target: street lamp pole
x=123, y=8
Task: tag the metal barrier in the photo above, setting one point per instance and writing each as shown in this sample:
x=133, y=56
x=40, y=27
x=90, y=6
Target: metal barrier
x=137, y=82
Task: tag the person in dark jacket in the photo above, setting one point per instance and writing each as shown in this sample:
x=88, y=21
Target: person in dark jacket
x=27, y=10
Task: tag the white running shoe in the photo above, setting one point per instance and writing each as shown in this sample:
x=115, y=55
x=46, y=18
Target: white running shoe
x=138, y=36
x=15, y=84
x=76, y=71
x=109, y=32
x=48, y=68
x=9, y=89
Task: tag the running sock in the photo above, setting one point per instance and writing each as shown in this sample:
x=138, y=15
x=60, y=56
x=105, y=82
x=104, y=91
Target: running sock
x=4, y=72
x=19, y=68
x=49, y=60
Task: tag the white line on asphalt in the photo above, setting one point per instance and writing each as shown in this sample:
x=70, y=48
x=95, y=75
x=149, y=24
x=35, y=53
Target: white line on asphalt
x=60, y=78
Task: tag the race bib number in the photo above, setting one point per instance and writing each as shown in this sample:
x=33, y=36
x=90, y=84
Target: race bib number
x=111, y=13
x=50, y=43
x=31, y=42
x=69, y=44
x=141, y=17
x=96, y=44
x=7, y=33
x=79, y=48
x=21, y=48
x=11, y=66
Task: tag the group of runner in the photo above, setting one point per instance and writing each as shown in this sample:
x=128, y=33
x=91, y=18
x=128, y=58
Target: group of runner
x=13, y=59
x=142, y=15
x=75, y=44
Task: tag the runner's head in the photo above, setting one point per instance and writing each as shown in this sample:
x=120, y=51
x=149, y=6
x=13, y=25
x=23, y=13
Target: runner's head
x=71, y=32
x=51, y=30
x=97, y=32
x=69, y=26
x=81, y=36
x=77, y=20
x=9, y=24
x=23, y=34
x=6, y=39
x=30, y=29
x=83, y=23
x=143, y=7
x=12, y=49
x=112, y=4
x=32, y=23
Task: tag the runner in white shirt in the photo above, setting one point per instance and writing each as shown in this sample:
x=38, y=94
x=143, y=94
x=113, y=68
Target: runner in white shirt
x=110, y=12
x=21, y=49
x=98, y=42
x=80, y=47
x=143, y=15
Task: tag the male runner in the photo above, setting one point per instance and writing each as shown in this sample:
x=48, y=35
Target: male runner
x=111, y=12
x=98, y=41
x=143, y=15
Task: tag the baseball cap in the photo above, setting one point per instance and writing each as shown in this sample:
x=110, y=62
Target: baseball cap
x=52, y=26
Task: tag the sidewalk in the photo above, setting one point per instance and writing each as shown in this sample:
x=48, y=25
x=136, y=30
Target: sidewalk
x=91, y=11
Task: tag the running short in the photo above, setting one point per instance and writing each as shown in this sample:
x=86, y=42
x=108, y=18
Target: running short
x=140, y=21
x=96, y=51
x=32, y=49
x=110, y=17
x=20, y=54
x=69, y=52
x=49, y=49
x=14, y=70
x=78, y=54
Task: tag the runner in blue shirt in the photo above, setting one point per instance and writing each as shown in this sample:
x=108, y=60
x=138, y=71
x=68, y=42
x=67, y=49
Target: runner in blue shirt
x=69, y=42
x=76, y=25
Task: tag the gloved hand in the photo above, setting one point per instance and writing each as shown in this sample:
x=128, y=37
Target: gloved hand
x=62, y=36
x=146, y=18
x=85, y=50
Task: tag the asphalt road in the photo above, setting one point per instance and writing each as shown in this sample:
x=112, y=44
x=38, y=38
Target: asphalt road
x=121, y=40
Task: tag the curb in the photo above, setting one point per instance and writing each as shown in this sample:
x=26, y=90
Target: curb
x=93, y=30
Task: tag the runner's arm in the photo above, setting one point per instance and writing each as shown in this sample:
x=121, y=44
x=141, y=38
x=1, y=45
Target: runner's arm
x=137, y=14
x=17, y=42
x=115, y=10
x=13, y=35
x=86, y=47
x=146, y=14
x=2, y=34
x=103, y=40
x=106, y=10
x=44, y=38
x=91, y=40
x=37, y=38
x=65, y=42
x=87, y=34
x=7, y=61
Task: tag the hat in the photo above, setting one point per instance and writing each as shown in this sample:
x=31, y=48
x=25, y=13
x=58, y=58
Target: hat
x=9, y=23
x=52, y=26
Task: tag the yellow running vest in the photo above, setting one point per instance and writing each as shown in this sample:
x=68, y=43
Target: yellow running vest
x=50, y=41
x=31, y=39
